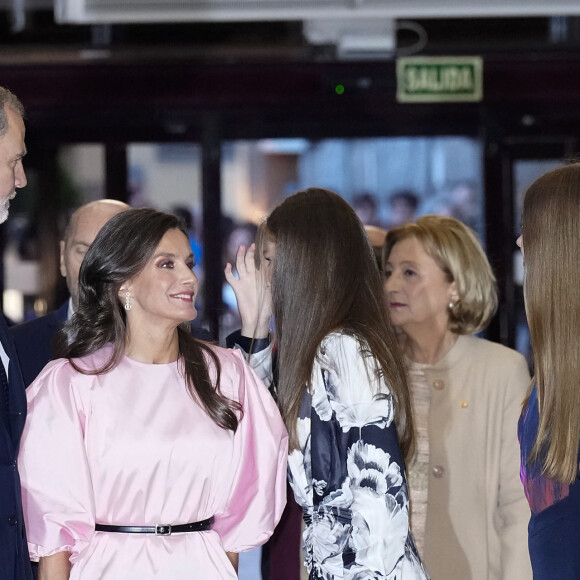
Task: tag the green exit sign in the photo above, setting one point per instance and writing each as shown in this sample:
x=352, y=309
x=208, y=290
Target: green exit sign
x=439, y=79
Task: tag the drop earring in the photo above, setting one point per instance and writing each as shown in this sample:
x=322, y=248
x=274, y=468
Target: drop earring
x=127, y=300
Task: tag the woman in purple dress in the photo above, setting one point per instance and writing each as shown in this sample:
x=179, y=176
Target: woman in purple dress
x=549, y=428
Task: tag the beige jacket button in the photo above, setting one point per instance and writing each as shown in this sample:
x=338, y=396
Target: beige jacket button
x=464, y=404
x=438, y=471
x=438, y=384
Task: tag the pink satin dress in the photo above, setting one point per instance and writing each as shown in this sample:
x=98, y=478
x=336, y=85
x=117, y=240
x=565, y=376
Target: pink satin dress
x=131, y=447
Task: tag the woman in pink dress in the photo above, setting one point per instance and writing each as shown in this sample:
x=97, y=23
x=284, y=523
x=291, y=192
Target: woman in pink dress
x=146, y=453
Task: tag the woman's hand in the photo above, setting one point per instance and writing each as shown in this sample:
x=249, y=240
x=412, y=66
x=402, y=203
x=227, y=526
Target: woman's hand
x=55, y=567
x=253, y=295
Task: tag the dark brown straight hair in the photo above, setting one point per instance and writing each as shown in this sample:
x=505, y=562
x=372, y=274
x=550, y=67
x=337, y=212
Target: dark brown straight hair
x=119, y=253
x=326, y=279
x=551, y=244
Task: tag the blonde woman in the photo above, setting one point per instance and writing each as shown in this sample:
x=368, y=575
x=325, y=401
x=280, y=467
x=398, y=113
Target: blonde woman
x=549, y=428
x=468, y=510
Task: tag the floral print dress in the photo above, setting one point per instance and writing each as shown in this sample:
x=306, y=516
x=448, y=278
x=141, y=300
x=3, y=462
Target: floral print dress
x=349, y=475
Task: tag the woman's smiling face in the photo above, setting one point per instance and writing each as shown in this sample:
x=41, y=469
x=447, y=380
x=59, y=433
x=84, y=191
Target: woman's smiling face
x=165, y=290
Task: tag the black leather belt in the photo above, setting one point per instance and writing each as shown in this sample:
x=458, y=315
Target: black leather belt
x=159, y=529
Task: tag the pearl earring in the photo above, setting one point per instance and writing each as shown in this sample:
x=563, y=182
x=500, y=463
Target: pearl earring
x=451, y=305
x=127, y=300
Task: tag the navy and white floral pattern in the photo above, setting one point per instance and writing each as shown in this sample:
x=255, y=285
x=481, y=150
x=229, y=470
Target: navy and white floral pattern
x=348, y=474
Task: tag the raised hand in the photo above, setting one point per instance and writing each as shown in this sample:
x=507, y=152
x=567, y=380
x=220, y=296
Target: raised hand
x=253, y=294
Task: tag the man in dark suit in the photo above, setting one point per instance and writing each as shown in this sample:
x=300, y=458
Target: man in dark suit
x=33, y=339
x=14, y=561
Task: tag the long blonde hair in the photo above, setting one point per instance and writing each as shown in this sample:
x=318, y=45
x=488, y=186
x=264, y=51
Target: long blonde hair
x=326, y=279
x=551, y=243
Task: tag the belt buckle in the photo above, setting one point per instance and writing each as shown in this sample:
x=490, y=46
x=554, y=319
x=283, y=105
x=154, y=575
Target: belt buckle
x=163, y=530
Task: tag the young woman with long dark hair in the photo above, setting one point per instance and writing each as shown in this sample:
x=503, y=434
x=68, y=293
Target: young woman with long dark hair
x=340, y=385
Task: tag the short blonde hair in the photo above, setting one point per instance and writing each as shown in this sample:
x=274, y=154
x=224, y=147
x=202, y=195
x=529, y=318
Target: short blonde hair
x=457, y=251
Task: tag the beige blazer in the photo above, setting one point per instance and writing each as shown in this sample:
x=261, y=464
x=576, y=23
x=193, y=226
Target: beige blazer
x=477, y=514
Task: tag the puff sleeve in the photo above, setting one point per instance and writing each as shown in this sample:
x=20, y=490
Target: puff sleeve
x=57, y=496
x=258, y=491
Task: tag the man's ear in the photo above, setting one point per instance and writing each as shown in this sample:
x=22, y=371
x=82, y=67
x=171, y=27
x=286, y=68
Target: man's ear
x=62, y=247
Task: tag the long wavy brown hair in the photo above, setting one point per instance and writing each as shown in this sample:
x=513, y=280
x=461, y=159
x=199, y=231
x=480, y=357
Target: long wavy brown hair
x=551, y=243
x=326, y=279
x=119, y=253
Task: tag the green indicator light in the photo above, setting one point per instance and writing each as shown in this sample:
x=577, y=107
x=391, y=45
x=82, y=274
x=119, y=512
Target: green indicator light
x=339, y=89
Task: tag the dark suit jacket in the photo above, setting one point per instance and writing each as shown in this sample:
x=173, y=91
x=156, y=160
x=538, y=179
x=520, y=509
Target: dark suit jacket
x=33, y=340
x=14, y=562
